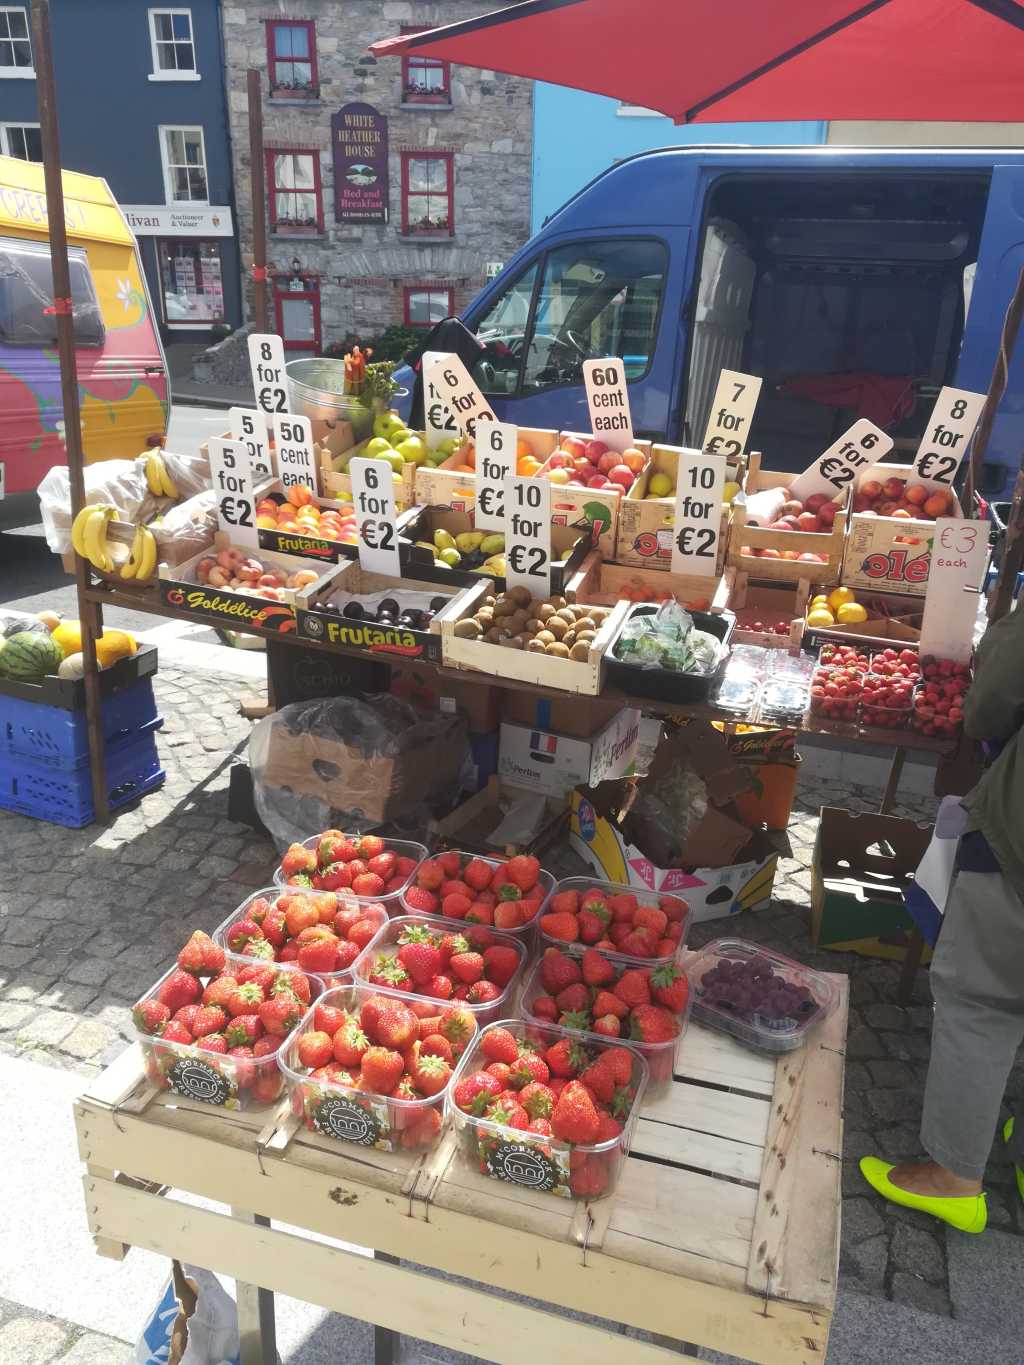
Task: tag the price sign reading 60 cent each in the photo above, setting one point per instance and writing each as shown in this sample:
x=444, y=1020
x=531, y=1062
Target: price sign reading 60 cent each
x=698, y=520
x=946, y=436
x=528, y=535
x=495, y=462
x=296, y=462
x=373, y=496
x=732, y=412
x=249, y=425
x=269, y=380
x=608, y=402
x=231, y=480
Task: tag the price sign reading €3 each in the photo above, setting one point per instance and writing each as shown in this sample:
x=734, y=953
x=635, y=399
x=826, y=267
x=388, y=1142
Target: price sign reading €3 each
x=495, y=462
x=698, y=519
x=373, y=497
x=960, y=552
x=269, y=380
x=732, y=412
x=528, y=535
x=296, y=461
x=231, y=480
x=249, y=425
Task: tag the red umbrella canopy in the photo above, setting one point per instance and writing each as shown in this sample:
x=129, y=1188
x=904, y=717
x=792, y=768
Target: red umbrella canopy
x=737, y=60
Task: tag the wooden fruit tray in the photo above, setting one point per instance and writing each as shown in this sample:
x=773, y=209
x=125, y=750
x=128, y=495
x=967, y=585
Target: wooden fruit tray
x=724, y=1229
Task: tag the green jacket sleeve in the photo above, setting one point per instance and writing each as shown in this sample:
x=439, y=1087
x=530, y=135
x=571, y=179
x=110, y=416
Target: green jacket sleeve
x=995, y=703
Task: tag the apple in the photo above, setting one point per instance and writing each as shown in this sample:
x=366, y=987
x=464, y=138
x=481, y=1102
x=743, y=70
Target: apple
x=827, y=514
x=792, y=508
x=573, y=446
x=607, y=462
x=594, y=450
x=886, y=509
x=916, y=494
x=809, y=558
x=412, y=449
x=780, y=526
x=558, y=476
x=634, y=459
x=872, y=490
x=893, y=488
x=582, y=466
x=937, y=505
x=902, y=513
x=757, y=627
x=790, y=554
x=815, y=501
x=559, y=460
x=230, y=558
x=597, y=481
x=387, y=424
x=807, y=521
x=622, y=475
x=781, y=627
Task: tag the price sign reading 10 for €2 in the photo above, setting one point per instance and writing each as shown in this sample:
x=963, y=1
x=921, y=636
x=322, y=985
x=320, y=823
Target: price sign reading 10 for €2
x=528, y=535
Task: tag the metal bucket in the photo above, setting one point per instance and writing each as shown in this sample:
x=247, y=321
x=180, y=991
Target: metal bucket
x=317, y=392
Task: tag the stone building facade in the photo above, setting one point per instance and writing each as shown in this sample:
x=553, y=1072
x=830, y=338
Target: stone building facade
x=460, y=154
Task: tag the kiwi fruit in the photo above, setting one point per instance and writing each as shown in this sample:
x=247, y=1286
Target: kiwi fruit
x=584, y=637
x=520, y=596
x=495, y=635
x=557, y=626
x=468, y=629
x=535, y=646
x=545, y=611
x=584, y=623
x=580, y=652
x=546, y=637
x=559, y=650
x=512, y=642
x=503, y=606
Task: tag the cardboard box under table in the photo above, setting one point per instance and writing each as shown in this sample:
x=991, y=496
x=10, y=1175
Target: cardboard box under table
x=744, y=538
x=862, y=867
x=502, y=818
x=551, y=763
x=724, y=1227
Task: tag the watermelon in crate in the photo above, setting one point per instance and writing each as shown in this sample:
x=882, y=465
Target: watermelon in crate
x=29, y=655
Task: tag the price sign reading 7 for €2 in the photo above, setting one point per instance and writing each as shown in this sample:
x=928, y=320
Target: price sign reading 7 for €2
x=495, y=462
x=732, y=412
x=231, y=480
x=528, y=535
x=373, y=496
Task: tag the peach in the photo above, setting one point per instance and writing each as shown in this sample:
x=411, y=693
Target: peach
x=203, y=568
x=792, y=508
x=815, y=501
x=937, y=505
x=634, y=459
x=582, y=466
x=807, y=521
x=299, y=495
x=230, y=558
x=271, y=580
x=622, y=475
x=917, y=494
x=809, y=558
x=861, y=502
x=886, y=509
x=218, y=577
x=871, y=490
x=827, y=514
x=790, y=554
x=572, y=445
x=303, y=578
x=597, y=481
x=893, y=488
x=607, y=462
x=769, y=554
x=789, y=523
x=594, y=450
x=902, y=513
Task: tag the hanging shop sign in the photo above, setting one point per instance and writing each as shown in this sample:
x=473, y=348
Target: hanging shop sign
x=165, y=220
x=359, y=149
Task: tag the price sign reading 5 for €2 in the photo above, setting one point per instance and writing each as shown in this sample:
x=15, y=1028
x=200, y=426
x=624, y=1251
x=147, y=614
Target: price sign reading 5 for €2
x=249, y=425
x=231, y=480
x=495, y=462
x=528, y=535
x=269, y=380
x=373, y=496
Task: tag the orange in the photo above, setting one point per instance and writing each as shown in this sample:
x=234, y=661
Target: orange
x=527, y=466
x=468, y=453
x=523, y=448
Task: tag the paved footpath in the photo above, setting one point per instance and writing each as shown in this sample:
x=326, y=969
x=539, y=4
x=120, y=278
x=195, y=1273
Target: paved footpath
x=89, y=918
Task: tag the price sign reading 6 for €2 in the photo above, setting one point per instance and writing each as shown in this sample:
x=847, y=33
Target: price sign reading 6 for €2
x=450, y=378
x=495, y=462
x=528, y=535
x=373, y=496
x=269, y=381
x=231, y=480
x=439, y=423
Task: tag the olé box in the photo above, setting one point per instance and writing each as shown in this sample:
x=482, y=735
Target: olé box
x=892, y=554
x=552, y=764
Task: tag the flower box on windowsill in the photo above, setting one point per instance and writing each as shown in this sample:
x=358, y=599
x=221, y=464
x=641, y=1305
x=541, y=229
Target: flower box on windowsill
x=434, y=97
x=295, y=94
x=425, y=106
x=284, y=228
x=427, y=230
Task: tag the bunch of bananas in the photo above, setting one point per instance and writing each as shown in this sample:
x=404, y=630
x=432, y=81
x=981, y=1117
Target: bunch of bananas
x=160, y=483
x=89, y=537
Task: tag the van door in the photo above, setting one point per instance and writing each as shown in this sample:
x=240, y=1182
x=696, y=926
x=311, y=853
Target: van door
x=595, y=296
x=1000, y=258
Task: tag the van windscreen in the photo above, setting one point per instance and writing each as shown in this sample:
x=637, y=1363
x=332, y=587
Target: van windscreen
x=26, y=296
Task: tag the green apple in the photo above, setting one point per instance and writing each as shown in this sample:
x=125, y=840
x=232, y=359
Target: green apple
x=413, y=449
x=449, y=445
x=377, y=448
x=395, y=461
x=386, y=424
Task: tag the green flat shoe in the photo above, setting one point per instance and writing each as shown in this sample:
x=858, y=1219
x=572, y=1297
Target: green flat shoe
x=968, y=1214
x=1007, y=1135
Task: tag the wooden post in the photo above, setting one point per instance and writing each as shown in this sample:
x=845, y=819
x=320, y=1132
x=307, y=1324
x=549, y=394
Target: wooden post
x=88, y=612
x=259, y=210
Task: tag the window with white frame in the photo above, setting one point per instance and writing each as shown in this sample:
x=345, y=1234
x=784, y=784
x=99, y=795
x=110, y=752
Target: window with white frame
x=174, y=49
x=15, y=46
x=184, y=159
x=22, y=140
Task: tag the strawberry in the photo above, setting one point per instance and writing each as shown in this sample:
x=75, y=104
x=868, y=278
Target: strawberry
x=455, y=886
x=501, y=962
x=652, y=1024
x=591, y=926
x=623, y=906
x=396, y=1025
x=363, y=931
x=292, y=983
x=319, y=953
x=588, y=1174
x=558, y=970
x=597, y=970
x=180, y=988
x=507, y=915
x=258, y=909
x=243, y=931
x=327, y=844
x=456, y=905
x=383, y=865
x=220, y=990
x=368, y=884
x=618, y=930
x=609, y=1128
x=565, y=903
x=450, y=862
x=479, y=937
x=509, y=1112
x=458, y=1026
x=314, y=1049
x=176, y=1032
x=275, y=930
x=245, y=1072
x=266, y=1088
x=523, y=870
x=477, y=874
x=431, y=1073
x=300, y=912
x=632, y=987
x=266, y=1046
x=650, y=917
x=213, y=1042
x=665, y=947
x=350, y=1044
x=606, y=1003
x=260, y=948
x=345, y=955
x=575, y=1117
x=580, y=1020
x=208, y=1019
x=566, y=1058
x=440, y=987
x=479, y=913
x=420, y=900
x=388, y=971
x=544, y=1007
x=608, y=1025
x=246, y=998
x=529, y=1068
x=541, y=1126
x=508, y=891
x=298, y=859
x=150, y=1016
x=186, y=1015
x=675, y=909
x=243, y=1030
x=280, y=1014
x=451, y=944
x=369, y=846
x=501, y=1071
x=669, y=987
x=328, y=1019
x=436, y=1045
x=475, y=1092
x=499, y=1045
x=421, y=960
x=482, y=993
x=382, y=1071
x=201, y=955
x=575, y=997
x=600, y=1077
x=564, y=927
x=430, y=875
x=537, y=1099
x=259, y=972
x=468, y=967
x=423, y=1131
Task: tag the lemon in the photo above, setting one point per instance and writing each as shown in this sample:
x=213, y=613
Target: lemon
x=820, y=601
x=659, y=486
x=730, y=490
x=851, y=613
x=820, y=616
x=838, y=596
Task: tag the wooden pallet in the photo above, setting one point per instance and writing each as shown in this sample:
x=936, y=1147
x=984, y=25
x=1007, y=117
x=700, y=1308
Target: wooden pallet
x=724, y=1229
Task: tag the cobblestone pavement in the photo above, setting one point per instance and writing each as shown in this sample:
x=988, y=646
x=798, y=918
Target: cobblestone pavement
x=89, y=918
x=32, y=1339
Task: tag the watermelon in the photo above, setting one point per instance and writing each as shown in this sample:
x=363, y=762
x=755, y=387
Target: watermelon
x=28, y=655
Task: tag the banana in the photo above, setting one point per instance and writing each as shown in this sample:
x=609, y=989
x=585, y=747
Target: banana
x=170, y=488
x=152, y=477
x=95, y=538
x=78, y=529
x=160, y=483
x=131, y=565
x=148, y=559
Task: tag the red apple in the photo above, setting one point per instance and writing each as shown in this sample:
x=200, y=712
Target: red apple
x=559, y=460
x=607, y=462
x=861, y=502
x=807, y=521
x=893, y=488
x=572, y=445
x=872, y=489
x=597, y=481
x=815, y=501
x=827, y=514
x=594, y=450
x=622, y=475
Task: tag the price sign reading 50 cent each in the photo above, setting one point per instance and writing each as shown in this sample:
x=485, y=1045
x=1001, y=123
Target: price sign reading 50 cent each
x=438, y=420
x=231, y=480
x=249, y=425
x=373, y=496
x=732, y=412
x=698, y=520
x=960, y=552
x=946, y=436
x=528, y=535
x=495, y=462
x=861, y=445
x=608, y=402
x=296, y=462
x=269, y=381
x=450, y=378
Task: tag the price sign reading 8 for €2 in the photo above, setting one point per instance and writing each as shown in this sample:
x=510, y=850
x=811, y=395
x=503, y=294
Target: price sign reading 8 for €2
x=528, y=535
x=269, y=379
x=960, y=551
x=373, y=496
x=495, y=462
x=946, y=436
x=231, y=480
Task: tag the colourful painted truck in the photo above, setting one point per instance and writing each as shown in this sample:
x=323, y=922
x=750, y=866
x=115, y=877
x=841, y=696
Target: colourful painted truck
x=122, y=374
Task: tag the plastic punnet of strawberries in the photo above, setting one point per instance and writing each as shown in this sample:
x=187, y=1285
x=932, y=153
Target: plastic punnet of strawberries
x=364, y=864
x=564, y=1102
x=836, y=693
x=612, y=999
x=370, y=1071
x=846, y=657
x=507, y=895
x=231, y=1015
x=939, y=699
x=319, y=930
x=429, y=958
x=615, y=919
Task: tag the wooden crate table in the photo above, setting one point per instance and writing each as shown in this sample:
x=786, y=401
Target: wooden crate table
x=724, y=1229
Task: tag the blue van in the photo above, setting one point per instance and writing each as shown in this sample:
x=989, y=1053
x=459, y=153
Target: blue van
x=855, y=282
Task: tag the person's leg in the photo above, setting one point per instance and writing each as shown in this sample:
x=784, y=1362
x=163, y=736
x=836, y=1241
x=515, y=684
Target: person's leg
x=978, y=985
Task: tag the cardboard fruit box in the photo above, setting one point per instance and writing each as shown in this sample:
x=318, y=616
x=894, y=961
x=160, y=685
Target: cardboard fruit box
x=892, y=620
x=449, y=485
x=743, y=538
x=603, y=583
x=335, y=483
x=761, y=607
x=889, y=553
x=500, y=819
x=309, y=547
x=595, y=509
x=645, y=524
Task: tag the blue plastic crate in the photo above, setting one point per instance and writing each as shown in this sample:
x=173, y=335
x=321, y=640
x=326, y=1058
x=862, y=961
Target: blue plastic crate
x=65, y=798
x=58, y=738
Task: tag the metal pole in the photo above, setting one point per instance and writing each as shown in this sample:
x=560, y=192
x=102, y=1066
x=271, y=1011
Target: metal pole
x=259, y=212
x=88, y=612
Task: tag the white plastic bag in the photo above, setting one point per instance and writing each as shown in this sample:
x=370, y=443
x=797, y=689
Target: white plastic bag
x=195, y=1323
x=927, y=894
